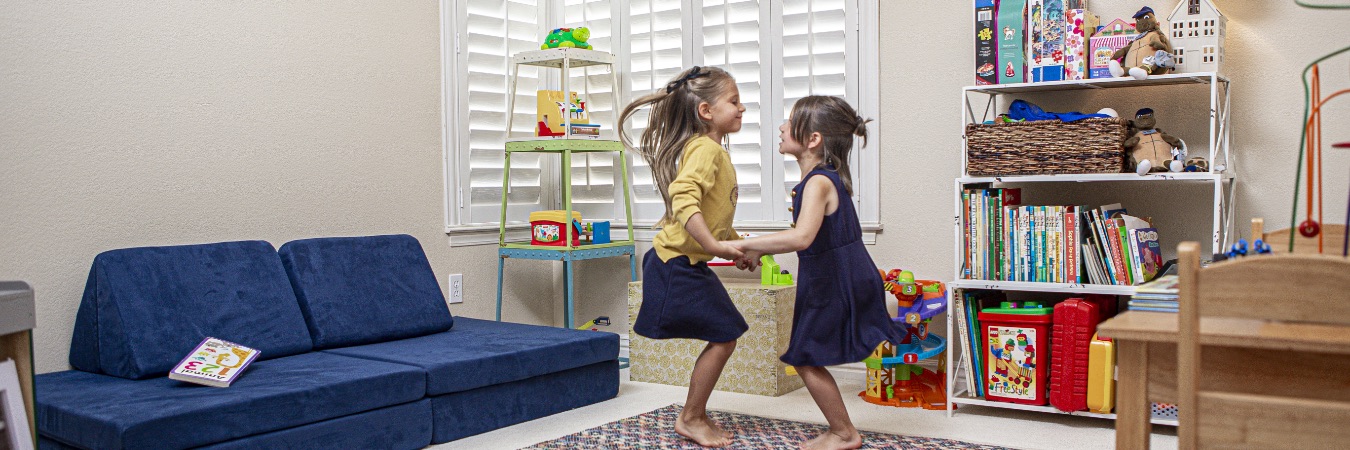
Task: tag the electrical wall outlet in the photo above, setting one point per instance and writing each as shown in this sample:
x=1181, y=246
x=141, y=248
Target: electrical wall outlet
x=456, y=288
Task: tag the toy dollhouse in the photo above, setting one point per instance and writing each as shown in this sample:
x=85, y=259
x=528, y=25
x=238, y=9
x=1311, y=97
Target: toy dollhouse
x=1197, y=36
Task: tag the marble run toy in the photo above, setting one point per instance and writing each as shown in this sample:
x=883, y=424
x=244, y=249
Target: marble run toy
x=893, y=376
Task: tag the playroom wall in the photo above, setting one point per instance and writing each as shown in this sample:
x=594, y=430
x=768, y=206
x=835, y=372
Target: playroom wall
x=133, y=124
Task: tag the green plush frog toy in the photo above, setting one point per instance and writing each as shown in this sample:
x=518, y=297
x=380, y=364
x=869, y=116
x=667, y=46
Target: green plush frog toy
x=567, y=38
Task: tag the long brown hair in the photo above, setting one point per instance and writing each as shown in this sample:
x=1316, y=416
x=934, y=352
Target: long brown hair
x=673, y=122
x=837, y=123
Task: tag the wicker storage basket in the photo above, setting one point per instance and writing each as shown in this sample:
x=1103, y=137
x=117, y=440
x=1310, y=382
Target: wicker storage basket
x=1046, y=147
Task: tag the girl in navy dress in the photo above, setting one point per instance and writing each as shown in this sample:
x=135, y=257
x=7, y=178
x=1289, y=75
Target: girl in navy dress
x=681, y=297
x=840, y=316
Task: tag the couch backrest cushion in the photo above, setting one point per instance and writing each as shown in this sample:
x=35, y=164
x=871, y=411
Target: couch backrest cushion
x=359, y=290
x=145, y=308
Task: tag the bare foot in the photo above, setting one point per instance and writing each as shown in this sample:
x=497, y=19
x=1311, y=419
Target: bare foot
x=703, y=431
x=834, y=441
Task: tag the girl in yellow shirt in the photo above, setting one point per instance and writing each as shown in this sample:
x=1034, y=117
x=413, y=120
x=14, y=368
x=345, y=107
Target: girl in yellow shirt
x=681, y=297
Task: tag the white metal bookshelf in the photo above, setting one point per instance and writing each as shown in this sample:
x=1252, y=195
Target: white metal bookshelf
x=1221, y=178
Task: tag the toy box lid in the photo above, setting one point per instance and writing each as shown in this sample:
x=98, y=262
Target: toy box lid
x=555, y=215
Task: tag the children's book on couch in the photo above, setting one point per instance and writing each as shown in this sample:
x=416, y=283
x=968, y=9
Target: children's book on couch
x=214, y=362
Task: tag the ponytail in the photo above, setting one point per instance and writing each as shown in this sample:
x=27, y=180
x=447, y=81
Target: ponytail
x=673, y=121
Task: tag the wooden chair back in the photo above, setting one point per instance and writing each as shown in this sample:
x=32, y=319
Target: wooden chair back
x=1332, y=239
x=1275, y=334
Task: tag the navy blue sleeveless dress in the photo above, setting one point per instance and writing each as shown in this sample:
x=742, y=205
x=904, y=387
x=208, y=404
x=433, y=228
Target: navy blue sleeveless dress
x=840, y=316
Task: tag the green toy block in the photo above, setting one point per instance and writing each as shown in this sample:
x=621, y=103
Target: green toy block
x=771, y=274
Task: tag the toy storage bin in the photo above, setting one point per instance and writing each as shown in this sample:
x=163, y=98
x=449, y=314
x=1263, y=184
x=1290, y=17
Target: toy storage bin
x=546, y=228
x=1016, y=346
x=1046, y=147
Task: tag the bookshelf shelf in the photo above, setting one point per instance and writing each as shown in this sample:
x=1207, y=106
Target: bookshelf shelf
x=1100, y=83
x=962, y=398
x=1102, y=177
x=1025, y=286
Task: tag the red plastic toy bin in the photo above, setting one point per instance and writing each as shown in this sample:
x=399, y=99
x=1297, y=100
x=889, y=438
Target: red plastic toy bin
x=1016, y=347
x=546, y=228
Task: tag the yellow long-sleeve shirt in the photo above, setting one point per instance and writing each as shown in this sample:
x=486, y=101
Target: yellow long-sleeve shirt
x=706, y=183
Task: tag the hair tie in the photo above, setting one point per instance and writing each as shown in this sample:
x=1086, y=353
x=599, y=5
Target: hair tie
x=693, y=73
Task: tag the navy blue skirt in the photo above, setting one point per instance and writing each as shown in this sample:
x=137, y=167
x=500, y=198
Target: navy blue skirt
x=683, y=301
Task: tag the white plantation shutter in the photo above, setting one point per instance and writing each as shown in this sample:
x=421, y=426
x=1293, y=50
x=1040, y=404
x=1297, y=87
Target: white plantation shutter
x=655, y=54
x=596, y=182
x=732, y=35
x=492, y=31
x=778, y=51
x=816, y=36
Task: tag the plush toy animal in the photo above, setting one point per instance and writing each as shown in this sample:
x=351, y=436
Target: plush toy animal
x=1151, y=149
x=1148, y=54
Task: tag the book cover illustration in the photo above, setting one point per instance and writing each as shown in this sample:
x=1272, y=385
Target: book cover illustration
x=1150, y=251
x=214, y=362
x=553, y=111
x=1166, y=284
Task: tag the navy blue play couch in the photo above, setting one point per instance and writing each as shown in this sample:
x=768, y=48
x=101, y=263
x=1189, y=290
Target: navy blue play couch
x=358, y=351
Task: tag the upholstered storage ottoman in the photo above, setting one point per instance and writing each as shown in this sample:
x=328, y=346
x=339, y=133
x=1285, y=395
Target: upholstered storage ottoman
x=753, y=369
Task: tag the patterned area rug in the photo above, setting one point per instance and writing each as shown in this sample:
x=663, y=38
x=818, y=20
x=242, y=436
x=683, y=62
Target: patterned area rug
x=655, y=430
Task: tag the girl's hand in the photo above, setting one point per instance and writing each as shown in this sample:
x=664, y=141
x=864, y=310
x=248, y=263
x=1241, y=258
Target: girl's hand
x=725, y=251
x=750, y=261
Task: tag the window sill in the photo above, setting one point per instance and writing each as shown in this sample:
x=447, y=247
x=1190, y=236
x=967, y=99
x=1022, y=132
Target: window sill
x=485, y=234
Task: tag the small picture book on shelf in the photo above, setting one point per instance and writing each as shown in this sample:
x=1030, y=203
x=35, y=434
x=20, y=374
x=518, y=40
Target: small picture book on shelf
x=214, y=362
x=1159, y=295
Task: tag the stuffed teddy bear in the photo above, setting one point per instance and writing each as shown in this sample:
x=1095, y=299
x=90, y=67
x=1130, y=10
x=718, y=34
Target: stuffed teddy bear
x=1150, y=149
x=1150, y=53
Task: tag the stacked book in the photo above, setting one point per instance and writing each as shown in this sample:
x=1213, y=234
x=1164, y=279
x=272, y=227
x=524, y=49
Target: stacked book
x=1159, y=295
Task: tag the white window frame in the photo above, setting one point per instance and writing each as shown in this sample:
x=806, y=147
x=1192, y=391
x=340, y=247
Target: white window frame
x=862, y=55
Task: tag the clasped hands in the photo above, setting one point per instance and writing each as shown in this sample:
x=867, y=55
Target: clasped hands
x=735, y=251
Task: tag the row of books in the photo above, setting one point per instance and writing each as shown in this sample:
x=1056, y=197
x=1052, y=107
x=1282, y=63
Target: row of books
x=1004, y=240
x=966, y=306
x=1160, y=295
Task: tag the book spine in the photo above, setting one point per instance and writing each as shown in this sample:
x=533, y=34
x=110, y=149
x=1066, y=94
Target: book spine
x=1136, y=257
x=976, y=337
x=965, y=232
x=1071, y=245
x=1117, y=259
x=999, y=272
x=962, y=329
x=1026, y=243
x=1103, y=247
x=1125, y=251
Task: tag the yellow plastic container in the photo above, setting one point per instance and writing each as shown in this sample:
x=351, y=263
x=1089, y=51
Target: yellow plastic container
x=555, y=215
x=1101, y=383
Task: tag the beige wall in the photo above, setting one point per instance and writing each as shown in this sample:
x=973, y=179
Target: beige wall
x=128, y=124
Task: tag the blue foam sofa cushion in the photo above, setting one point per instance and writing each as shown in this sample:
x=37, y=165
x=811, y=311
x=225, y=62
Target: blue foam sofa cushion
x=145, y=308
x=359, y=290
x=477, y=353
x=97, y=411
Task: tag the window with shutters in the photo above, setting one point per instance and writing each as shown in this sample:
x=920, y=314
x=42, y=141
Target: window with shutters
x=778, y=51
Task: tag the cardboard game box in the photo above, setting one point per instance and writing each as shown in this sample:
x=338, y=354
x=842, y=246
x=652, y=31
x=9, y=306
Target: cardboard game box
x=1114, y=36
x=1080, y=25
x=986, y=47
x=1012, y=41
x=1047, y=40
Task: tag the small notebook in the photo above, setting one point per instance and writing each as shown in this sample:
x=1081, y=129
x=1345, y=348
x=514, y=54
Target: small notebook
x=214, y=362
